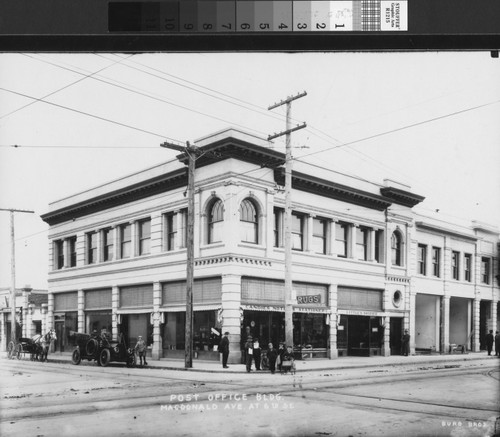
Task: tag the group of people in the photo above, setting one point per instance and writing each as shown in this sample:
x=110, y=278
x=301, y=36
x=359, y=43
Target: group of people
x=490, y=339
x=274, y=358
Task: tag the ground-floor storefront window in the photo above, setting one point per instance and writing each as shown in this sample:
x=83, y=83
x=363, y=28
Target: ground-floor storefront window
x=310, y=330
x=65, y=325
x=360, y=335
x=204, y=334
x=97, y=321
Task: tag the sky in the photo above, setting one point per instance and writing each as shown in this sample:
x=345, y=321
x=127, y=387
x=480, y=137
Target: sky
x=430, y=120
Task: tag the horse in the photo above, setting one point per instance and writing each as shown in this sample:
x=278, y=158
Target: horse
x=43, y=343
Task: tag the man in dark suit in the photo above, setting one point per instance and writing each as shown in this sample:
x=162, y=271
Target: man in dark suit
x=224, y=349
x=489, y=341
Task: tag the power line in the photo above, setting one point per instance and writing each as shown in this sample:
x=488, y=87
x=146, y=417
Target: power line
x=120, y=85
x=60, y=89
x=401, y=128
x=89, y=115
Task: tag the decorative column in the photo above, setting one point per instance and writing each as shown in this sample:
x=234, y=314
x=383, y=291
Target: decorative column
x=27, y=312
x=3, y=333
x=44, y=311
x=386, y=347
x=308, y=233
x=351, y=241
x=445, y=324
x=81, y=311
x=231, y=321
x=332, y=299
x=409, y=320
x=115, y=318
x=50, y=312
x=157, y=350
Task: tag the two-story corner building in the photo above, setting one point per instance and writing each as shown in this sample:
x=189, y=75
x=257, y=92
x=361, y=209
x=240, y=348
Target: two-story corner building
x=117, y=256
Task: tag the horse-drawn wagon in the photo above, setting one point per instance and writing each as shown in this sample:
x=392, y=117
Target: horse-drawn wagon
x=100, y=349
x=37, y=347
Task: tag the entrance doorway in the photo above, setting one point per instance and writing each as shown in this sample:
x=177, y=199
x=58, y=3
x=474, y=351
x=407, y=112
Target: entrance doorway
x=396, y=331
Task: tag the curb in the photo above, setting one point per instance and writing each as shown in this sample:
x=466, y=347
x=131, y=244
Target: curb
x=437, y=360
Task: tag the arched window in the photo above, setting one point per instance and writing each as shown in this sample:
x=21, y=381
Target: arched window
x=396, y=249
x=249, y=222
x=215, y=221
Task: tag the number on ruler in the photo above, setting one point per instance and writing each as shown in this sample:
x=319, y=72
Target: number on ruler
x=188, y=26
x=245, y=26
x=227, y=26
x=207, y=26
x=301, y=25
x=283, y=26
x=264, y=26
x=169, y=24
x=320, y=25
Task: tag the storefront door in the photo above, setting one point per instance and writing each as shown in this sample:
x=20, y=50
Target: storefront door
x=396, y=332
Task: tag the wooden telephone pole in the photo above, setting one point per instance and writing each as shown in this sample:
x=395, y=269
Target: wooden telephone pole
x=13, y=328
x=288, y=213
x=191, y=152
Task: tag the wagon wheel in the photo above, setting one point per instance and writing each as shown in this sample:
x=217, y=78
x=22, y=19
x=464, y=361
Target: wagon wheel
x=11, y=349
x=104, y=357
x=19, y=351
x=76, y=358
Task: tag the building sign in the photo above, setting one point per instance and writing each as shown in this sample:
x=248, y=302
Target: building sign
x=309, y=299
x=362, y=313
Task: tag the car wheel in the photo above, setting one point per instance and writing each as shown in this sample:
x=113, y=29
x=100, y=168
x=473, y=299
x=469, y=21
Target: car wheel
x=76, y=358
x=104, y=357
x=91, y=347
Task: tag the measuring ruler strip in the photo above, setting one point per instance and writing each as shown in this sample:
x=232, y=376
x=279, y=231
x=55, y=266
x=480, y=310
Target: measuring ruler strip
x=220, y=16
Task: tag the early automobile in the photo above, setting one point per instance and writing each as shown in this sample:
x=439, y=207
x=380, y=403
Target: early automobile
x=101, y=349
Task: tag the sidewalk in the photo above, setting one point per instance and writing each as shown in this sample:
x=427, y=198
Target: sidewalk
x=301, y=365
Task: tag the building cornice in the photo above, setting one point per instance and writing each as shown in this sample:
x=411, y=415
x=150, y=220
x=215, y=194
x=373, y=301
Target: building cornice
x=401, y=197
x=323, y=187
x=147, y=188
x=445, y=231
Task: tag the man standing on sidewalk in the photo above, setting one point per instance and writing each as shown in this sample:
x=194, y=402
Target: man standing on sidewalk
x=497, y=344
x=489, y=341
x=224, y=349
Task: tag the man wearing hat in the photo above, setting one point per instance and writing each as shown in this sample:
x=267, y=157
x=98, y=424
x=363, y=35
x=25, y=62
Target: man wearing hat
x=224, y=349
x=140, y=348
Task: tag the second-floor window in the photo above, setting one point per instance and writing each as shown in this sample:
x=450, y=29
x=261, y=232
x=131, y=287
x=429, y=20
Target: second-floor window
x=362, y=243
x=468, y=267
x=249, y=222
x=455, y=265
x=485, y=270
x=319, y=235
x=108, y=244
x=422, y=256
x=216, y=222
x=59, y=254
x=379, y=246
x=125, y=240
x=297, y=232
x=144, y=236
x=72, y=251
x=396, y=249
x=341, y=231
x=436, y=261
x=91, y=247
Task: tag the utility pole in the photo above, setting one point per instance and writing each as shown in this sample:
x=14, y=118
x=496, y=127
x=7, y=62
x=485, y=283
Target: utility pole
x=288, y=213
x=191, y=152
x=13, y=328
